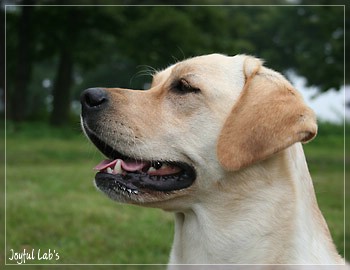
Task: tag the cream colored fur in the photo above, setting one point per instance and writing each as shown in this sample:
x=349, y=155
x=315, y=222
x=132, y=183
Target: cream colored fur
x=253, y=201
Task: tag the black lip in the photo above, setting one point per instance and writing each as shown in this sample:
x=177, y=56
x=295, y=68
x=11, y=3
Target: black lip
x=134, y=182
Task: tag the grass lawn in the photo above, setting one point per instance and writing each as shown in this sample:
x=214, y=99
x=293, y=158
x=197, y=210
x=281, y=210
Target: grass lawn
x=51, y=202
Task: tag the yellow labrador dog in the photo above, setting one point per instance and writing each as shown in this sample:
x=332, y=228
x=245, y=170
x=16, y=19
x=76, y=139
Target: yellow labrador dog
x=217, y=141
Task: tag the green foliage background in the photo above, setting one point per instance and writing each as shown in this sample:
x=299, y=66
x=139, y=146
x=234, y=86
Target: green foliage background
x=112, y=46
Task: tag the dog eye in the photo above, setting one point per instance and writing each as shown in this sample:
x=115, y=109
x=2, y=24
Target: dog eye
x=183, y=87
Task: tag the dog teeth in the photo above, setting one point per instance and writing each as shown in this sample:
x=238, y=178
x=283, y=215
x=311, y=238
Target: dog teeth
x=151, y=169
x=109, y=170
x=118, y=167
x=121, y=188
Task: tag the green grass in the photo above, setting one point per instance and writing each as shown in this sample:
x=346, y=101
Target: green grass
x=52, y=203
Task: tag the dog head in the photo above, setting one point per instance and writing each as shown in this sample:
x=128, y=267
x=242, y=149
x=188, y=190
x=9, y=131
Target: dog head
x=201, y=119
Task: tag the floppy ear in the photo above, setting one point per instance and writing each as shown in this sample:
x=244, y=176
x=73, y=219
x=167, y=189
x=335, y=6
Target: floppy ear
x=269, y=116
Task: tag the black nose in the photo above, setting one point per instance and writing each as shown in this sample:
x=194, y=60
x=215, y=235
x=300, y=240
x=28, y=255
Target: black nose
x=93, y=98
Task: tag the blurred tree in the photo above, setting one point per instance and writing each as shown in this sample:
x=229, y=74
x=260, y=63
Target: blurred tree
x=65, y=42
x=163, y=31
x=24, y=51
x=2, y=60
x=307, y=39
x=78, y=41
x=102, y=46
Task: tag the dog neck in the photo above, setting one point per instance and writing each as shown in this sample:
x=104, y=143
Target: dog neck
x=261, y=216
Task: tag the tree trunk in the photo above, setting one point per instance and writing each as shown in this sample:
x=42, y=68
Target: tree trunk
x=61, y=90
x=19, y=97
x=2, y=61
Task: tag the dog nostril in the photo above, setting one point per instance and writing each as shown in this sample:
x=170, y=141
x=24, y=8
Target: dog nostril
x=94, y=97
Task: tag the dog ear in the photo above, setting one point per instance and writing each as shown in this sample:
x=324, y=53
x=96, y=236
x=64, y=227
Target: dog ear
x=269, y=116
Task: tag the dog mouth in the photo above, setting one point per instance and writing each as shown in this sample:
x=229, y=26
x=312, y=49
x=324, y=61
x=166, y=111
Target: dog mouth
x=122, y=174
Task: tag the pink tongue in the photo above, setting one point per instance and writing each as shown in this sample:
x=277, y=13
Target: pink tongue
x=130, y=165
x=105, y=164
